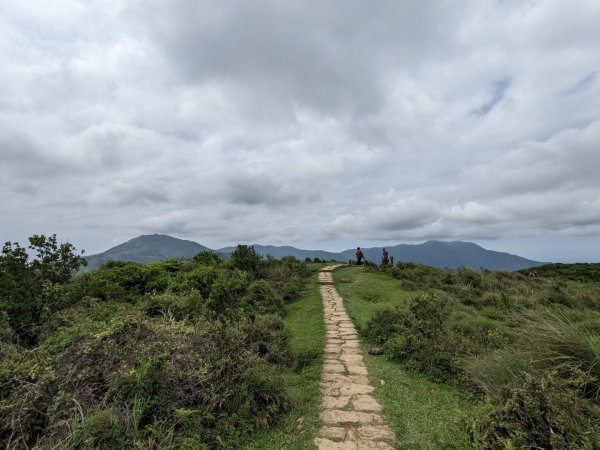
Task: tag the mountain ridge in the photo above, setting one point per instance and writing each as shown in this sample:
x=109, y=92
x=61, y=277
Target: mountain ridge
x=450, y=254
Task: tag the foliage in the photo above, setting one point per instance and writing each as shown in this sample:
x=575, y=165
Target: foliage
x=261, y=298
x=527, y=347
x=31, y=288
x=179, y=354
x=540, y=413
x=245, y=258
x=582, y=272
x=415, y=336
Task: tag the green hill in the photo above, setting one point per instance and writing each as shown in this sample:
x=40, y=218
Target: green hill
x=146, y=249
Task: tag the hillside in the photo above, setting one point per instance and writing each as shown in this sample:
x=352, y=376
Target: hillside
x=448, y=254
x=157, y=247
x=583, y=272
x=148, y=248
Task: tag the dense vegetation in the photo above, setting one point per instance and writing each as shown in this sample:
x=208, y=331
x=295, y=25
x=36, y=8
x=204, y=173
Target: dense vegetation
x=180, y=354
x=524, y=350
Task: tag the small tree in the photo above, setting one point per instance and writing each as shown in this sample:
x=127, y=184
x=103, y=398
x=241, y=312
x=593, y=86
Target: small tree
x=30, y=287
x=245, y=258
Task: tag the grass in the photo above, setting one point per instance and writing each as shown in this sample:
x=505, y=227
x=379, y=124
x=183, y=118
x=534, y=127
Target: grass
x=366, y=292
x=423, y=414
x=304, y=320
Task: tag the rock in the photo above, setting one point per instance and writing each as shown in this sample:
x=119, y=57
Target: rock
x=376, y=351
x=366, y=403
x=333, y=433
x=376, y=432
x=338, y=417
x=326, y=444
x=300, y=423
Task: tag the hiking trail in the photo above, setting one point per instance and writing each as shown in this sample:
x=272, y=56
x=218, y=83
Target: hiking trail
x=351, y=418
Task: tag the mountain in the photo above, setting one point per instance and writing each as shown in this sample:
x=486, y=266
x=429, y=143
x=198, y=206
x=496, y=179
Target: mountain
x=148, y=248
x=156, y=247
x=448, y=254
x=280, y=252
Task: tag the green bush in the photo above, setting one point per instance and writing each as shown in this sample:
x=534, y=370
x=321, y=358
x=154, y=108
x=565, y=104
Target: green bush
x=387, y=323
x=416, y=337
x=261, y=298
x=189, y=305
x=245, y=258
x=227, y=291
x=540, y=413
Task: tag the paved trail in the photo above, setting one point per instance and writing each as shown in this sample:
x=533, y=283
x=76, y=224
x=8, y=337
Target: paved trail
x=351, y=418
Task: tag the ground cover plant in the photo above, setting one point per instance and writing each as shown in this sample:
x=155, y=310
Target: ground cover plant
x=521, y=350
x=173, y=354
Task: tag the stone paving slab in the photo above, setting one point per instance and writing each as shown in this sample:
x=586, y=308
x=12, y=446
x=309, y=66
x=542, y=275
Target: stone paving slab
x=350, y=415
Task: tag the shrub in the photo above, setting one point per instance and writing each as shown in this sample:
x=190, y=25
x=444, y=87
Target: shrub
x=430, y=312
x=417, y=337
x=261, y=298
x=178, y=307
x=245, y=258
x=130, y=383
x=541, y=413
x=385, y=324
x=227, y=291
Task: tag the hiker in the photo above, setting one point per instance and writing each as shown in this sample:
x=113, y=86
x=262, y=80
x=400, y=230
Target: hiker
x=385, y=258
x=359, y=255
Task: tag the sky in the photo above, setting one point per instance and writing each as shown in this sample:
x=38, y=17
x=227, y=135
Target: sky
x=322, y=125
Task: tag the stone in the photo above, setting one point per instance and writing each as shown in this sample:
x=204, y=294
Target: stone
x=350, y=344
x=351, y=358
x=357, y=369
x=334, y=433
x=326, y=444
x=333, y=367
x=376, y=432
x=366, y=403
x=339, y=417
x=354, y=389
x=376, y=351
x=331, y=402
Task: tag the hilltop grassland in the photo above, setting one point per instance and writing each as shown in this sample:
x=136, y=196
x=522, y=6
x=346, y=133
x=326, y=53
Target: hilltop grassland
x=479, y=359
x=175, y=354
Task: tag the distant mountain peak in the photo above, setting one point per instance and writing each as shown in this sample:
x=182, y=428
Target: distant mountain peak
x=148, y=248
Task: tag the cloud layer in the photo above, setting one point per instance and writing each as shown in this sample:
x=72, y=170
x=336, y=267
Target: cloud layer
x=301, y=122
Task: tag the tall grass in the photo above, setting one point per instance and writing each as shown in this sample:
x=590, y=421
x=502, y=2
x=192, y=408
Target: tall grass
x=548, y=341
x=557, y=343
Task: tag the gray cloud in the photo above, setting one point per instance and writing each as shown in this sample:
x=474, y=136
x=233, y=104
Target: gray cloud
x=297, y=122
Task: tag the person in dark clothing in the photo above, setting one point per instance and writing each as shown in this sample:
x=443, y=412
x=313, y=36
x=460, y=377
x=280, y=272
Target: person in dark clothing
x=385, y=258
x=359, y=255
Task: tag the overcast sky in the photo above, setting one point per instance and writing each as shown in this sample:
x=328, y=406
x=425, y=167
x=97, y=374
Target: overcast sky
x=318, y=124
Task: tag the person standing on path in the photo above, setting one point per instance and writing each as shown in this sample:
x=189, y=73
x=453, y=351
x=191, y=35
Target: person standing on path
x=359, y=255
x=385, y=258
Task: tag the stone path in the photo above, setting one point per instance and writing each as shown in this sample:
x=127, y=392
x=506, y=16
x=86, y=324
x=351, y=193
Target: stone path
x=351, y=418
